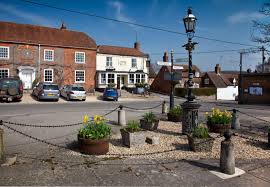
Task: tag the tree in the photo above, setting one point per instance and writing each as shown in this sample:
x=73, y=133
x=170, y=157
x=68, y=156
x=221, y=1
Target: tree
x=262, y=28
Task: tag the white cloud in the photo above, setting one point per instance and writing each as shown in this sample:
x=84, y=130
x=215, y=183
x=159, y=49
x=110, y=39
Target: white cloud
x=25, y=15
x=241, y=17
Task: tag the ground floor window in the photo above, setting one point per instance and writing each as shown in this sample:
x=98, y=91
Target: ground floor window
x=110, y=78
x=131, y=78
x=79, y=76
x=143, y=78
x=138, y=78
x=4, y=73
x=48, y=75
x=103, y=78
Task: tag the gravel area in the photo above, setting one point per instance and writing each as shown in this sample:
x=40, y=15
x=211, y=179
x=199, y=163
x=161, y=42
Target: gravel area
x=170, y=137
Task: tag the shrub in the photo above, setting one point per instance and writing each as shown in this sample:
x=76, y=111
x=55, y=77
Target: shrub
x=133, y=126
x=200, y=132
x=176, y=111
x=182, y=92
x=111, y=85
x=219, y=117
x=94, y=130
x=140, y=85
x=149, y=117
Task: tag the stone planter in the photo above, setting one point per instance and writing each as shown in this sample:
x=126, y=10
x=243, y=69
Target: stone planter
x=174, y=118
x=149, y=126
x=200, y=145
x=93, y=147
x=132, y=139
x=218, y=128
x=140, y=90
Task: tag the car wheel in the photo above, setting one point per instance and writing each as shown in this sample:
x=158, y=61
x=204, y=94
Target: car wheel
x=116, y=99
x=83, y=100
x=56, y=100
x=38, y=98
x=68, y=98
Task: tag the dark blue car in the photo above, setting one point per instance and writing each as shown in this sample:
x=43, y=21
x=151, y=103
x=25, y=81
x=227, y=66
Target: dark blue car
x=110, y=94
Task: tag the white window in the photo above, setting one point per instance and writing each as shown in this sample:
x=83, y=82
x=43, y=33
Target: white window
x=4, y=73
x=110, y=78
x=103, y=78
x=134, y=62
x=79, y=57
x=109, y=61
x=138, y=78
x=79, y=76
x=143, y=78
x=48, y=55
x=131, y=78
x=206, y=81
x=48, y=75
x=4, y=52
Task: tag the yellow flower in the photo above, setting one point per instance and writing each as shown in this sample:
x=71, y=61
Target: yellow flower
x=98, y=119
x=85, y=119
x=206, y=113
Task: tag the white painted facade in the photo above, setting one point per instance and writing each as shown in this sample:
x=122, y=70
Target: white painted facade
x=228, y=93
x=118, y=69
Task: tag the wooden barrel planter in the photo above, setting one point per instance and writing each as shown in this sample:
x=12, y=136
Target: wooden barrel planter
x=199, y=144
x=93, y=147
x=151, y=126
x=218, y=128
x=174, y=118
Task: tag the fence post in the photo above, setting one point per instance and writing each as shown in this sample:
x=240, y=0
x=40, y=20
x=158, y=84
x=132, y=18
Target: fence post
x=1, y=143
x=227, y=161
x=121, y=116
x=164, y=107
x=235, y=120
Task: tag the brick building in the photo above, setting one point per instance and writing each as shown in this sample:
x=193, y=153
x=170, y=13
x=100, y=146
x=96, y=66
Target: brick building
x=256, y=88
x=48, y=54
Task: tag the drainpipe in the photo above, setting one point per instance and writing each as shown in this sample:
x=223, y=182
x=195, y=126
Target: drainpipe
x=38, y=62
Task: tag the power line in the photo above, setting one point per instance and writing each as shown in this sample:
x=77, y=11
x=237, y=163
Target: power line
x=132, y=23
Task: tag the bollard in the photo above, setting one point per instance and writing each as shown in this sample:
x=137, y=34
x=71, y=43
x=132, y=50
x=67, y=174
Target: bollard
x=1, y=144
x=235, y=120
x=227, y=161
x=121, y=116
x=164, y=108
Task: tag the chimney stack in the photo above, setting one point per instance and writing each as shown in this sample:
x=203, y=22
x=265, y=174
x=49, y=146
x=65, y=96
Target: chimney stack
x=166, y=57
x=218, y=69
x=137, y=46
x=63, y=26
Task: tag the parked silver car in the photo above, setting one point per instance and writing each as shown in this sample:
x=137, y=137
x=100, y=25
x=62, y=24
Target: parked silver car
x=73, y=92
x=46, y=91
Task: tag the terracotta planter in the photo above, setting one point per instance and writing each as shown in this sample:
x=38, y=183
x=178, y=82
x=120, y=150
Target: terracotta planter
x=149, y=126
x=174, y=118
x=218, y=128
x=93, y=147
x=200, y=145
x=132, y=139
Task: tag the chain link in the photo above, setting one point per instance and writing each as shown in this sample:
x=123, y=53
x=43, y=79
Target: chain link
x=149, y=108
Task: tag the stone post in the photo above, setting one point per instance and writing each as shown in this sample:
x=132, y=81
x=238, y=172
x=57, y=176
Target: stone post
x=164, y=108
x=189, y=116
x=121, y=116
x=227, y=161
x=1, y=144
x=235, y=120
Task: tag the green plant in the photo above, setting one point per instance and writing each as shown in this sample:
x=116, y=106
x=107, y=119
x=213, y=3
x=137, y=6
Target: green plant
x=133, y=126
x=200, y=132
x=218, y=116
x=94, y=130
x=111, y=85
x=149, y=117
x=140, y=85
x=176, y=111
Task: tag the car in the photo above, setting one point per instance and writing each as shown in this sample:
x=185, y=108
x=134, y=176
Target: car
x=11, y=89
x=46, y=91
x=110, y=94
x=73, y=92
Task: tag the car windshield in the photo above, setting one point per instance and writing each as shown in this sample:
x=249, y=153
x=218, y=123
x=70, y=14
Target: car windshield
x=111, y=90
x=77, y=88
x=9, y=83
x=50, y=87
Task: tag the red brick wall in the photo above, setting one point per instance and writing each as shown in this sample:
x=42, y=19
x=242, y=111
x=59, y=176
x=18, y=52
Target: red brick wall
x=159, y=84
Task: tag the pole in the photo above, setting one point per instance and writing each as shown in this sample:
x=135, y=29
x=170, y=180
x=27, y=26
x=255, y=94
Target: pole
x=263, y=58
x=241, y=81
x=172, y=87
x=190, y=73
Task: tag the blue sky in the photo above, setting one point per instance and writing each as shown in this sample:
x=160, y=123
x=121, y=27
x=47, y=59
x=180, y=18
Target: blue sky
x=220, y=19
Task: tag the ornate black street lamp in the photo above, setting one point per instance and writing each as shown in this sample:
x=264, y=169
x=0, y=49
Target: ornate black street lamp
x=190, y=107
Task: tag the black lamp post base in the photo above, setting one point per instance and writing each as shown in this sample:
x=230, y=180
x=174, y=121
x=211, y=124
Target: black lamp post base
x=190, y=116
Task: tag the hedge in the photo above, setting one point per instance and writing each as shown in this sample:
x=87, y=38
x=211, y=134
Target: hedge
x=182, y=92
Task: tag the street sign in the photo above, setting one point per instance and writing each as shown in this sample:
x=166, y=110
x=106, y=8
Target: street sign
x=178, y=67
x=176, y=76
x=181, y=60
x=161, y=63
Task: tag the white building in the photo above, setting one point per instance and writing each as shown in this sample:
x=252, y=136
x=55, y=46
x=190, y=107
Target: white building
x=121, y=65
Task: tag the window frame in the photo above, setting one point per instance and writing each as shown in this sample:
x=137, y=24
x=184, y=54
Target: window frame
x=143, y=77
x=206, y=81
x=76, y=76
x=44, y=77
x=5, y=58
x=1, y=69
x=48, y=60
x=137, y=78
x=129, y=78
x=110, y=65
x=111, y=78
x=132, y=63
x=100, y=81
x=79, y=52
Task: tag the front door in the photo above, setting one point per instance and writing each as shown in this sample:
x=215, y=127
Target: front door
x=118, y=81
x=26, y=78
